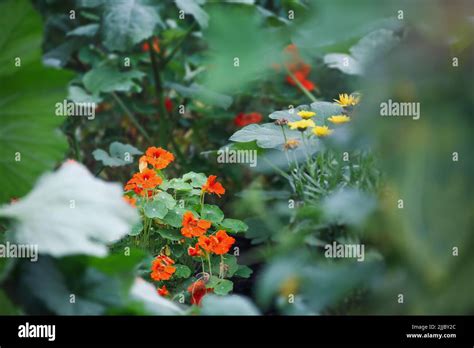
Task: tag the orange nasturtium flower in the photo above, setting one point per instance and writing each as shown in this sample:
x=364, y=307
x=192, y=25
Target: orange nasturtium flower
x=161, y=268
x=144, y=181
x=155, y=44
x=157, y=157
x=223, y=242
x=194, y=251
x=198, y=290
x=219, y=243
x=193, y=227
x=212, y=186
x=163, y=291
x=207, y=243
x=130, y=200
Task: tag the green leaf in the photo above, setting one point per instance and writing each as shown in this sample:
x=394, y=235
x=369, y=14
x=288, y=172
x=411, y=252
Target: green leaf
x=182, y=271
x=173, y=219
x=267, y=135
x=193, y=7
x=120, y=154
x=368, y=49
x=85, y=30
x=254, y=45
x=109, y=79
x=243, y=272
x=75, y=196
x=136, y=229
x=167, y=199
x=170, y=234
x=198, y=92
x=234, y=225
x=228, y=305
x=79, y=95
x=6, y=306
x=229, y=260
x=29, y=140
x=196, y=179
x=223, y=287
x=212, y=213
x=155, y=209
x=128, y=22
x=179, y=185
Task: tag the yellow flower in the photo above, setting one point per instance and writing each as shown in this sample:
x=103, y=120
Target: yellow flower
x=347, y=100
x=301, y=125
x=306, y=114
x=321, y=131
x=337, y=119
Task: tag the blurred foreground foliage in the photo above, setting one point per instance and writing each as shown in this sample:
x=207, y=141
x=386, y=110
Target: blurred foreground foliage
x=291, y=214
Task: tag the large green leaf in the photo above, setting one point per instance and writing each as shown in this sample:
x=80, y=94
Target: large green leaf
x=89, y=213
x=29, y=143
x=193, y=7
x=369, y=48
x=241, y=50
x=127, y=22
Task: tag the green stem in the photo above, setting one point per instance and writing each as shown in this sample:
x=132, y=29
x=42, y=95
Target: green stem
x=131, y=117
x=281, y=172
x=166, y=127
x=178, y=46
x=203, y=194
x=209, y=262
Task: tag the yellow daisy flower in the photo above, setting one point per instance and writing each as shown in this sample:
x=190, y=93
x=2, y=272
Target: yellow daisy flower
x=337, y=119
x=306, y=114
x=301, y=125
x=322, y=131
x=347, y=100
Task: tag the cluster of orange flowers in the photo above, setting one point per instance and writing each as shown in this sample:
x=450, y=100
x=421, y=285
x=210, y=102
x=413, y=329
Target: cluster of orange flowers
x=161, y=268
x=218, y=243
x=144, y=182
x=193, y=227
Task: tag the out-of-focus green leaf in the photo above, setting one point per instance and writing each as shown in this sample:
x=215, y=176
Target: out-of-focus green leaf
x=89, y=213
x=109, y=79
x=29, y=141
x=227, y=305
x=193, y=8
x=200, y=93
x=128, y=22
x=366, y=51
x=120, y=154
x=241, y=50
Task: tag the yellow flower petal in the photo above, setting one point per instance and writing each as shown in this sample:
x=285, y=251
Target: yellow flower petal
x=337, y=119
x=306, y=114
x=322, y=131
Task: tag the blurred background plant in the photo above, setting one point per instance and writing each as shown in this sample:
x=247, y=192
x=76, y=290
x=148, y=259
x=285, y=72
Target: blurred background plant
x=178, y=74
